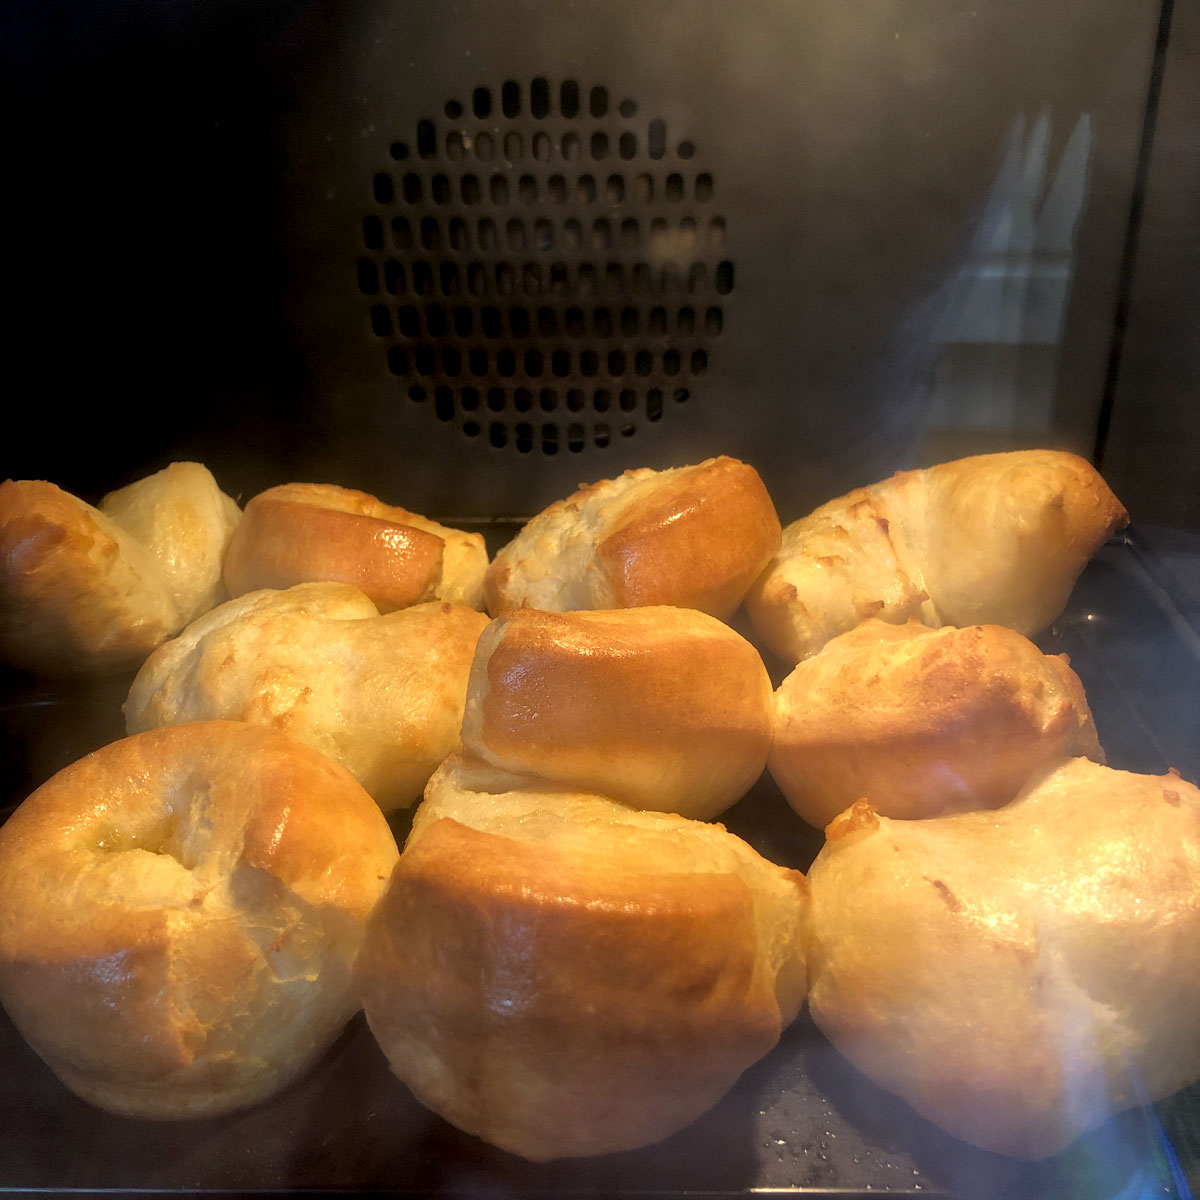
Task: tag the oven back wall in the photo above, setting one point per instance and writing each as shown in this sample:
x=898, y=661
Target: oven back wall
x=465, y=256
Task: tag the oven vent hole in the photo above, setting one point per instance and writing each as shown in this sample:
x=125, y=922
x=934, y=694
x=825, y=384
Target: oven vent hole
x=544, y=268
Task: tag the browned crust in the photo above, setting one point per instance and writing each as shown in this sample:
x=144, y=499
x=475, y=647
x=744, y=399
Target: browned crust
x=556, y=1010
x=1046, y=512
x=699, y=541
x=921, y=722
x=842, y=564
x=1016, y=976
x=658, y=707
x=290, y=811
x=990, y=539
x=282, y=541
x=70, y=601
x=135, y=886
x=382, y=695
x=495, y=584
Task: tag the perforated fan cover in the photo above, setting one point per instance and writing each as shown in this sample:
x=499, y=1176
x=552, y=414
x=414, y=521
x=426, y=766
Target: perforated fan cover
x=544, y=269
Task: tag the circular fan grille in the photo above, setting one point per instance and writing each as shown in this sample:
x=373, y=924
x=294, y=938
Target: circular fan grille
x=544, y=270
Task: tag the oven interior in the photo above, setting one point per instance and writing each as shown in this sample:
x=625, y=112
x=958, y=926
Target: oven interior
x=465, y=256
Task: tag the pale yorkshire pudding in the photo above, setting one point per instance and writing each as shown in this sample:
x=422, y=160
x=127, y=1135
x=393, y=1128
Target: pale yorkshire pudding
x=382, y=695
x=561, y=975
x=180, y=912
x=923, y=721
x=694, y=537
x=996, y=539
x=660, y=708
x=86, y=589
x=306, y=532
x=1017, y=975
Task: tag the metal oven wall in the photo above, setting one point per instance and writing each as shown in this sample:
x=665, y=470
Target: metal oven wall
x=270, y=237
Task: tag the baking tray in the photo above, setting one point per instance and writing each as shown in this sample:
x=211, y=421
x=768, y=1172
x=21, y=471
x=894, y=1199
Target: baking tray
x=800, y=1122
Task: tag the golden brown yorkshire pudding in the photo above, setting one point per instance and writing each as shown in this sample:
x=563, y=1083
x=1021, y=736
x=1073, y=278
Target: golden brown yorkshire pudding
x=694, y=537
x=305, y=532
x=382, y=695
x=923, y=721
x=180, y=912
x=86, y=589
x=996, y=539
x=659, y=708
x=1017, y=975
x=561, y=975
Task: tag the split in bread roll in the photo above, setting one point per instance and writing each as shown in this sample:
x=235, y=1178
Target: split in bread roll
x=695, y=537
x=561, y=975
x=180, y=913
x=306, y=532
x=86, y=589
x=382, y=695
x=997, y=539
x=659, y=708
x=1020, y=975
x=924, y=721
